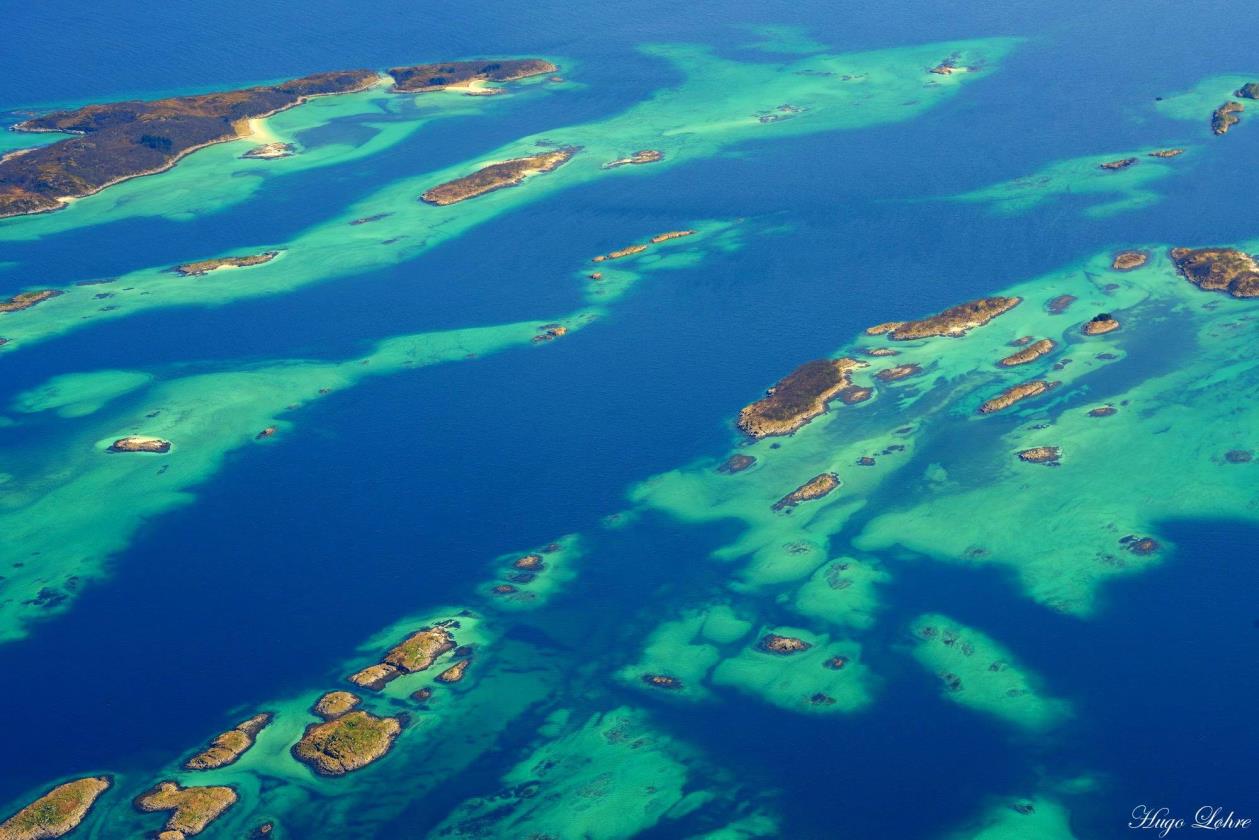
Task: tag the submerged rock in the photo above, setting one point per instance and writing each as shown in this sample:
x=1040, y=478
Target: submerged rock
x=854, y=394
x=57, y=812
x=335, y=703
x=496, y=176
x=1139, y=545
x=1239, y=456
x=782, y=645
x=671, y=234
x=1028, y=354
x=1060, y=304
x=229, y=746
x=1100, y=324
x=422, y=695
x=269, y=431
x=345, y=744
x=1219, y=270
x=1016, y=393
x=880, y=352
x=1041, y=455
x=1103, y=411
x=814, y=488
x=270, y=151
x=1128, y=260
x=736, y=464
x=836, y=663
x=140, y=443
x=192, y=808
x=797, y=398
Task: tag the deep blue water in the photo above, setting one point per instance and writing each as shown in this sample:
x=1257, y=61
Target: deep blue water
x=314, y=526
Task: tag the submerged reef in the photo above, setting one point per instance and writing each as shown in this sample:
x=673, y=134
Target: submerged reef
x=270, y=151
x=496, y=176
x=954, y=321
x=346, y=743
x=229, y=746
x=196, y=269
x=122, y=140
x=423, y=78
x=192, y=808
x=797, y=398
x=1219, y=270
x=57, y=812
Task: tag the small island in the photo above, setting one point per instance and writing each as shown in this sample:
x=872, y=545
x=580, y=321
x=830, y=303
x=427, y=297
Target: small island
x=1129, y=260
x=414, y=653
x=797, y=398
x=335, y=703
x=122, y=140
x=140, y=443
x=229, y=746
x=1166, y=153
x=815, y=488
x=670, y=234
x=455, y=672
x=1014, y=394
x=346, y=743
x=25, y=300
x=270, y=151
x=781, y=645
x=1250, y=90
x=425, y=78
x=1219, y=270
x=192, y=808
x=1050, y=455
x=898, y=372
x=1225, y=117
x=1100, y=324
x=1114, y=165
x=1028, y=354
x=636, y=159
x=196, y=269
x=955, y=321
x=57, y=812
x=496, y=176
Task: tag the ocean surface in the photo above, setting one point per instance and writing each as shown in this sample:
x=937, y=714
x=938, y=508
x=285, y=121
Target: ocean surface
x=392, y=499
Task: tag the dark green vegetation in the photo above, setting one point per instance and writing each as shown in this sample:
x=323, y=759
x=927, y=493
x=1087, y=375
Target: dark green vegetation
x=422, y=78
x=121, y=140
x=1219, y=270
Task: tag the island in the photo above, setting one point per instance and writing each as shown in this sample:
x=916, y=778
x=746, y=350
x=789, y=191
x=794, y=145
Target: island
x=1114, y=165
x=1030, y=353
x=122, y=140
x=455, y=672
x=1225, y=117
x=1219, y=270
x=636, y=159
x=425, y=78
x=815, y=488
x=662, y=681
x=140, y=443
x=1166, y=153
x=797, y=398
x=192, y=808
x=57, y=812
x=1128, y=260
x=670, y=234
x=414, y=653
x=898, y=372
x=782, y=645
x=25, y=300
x=1014, y=394
x=229, y=746
x=955, y=321
x=1100, y=324
x=1050, y=455
x=496, y=176
x=196, y=269
x=346, y=743
x=1250, y=90
x=627, y=251
x=335, y=703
